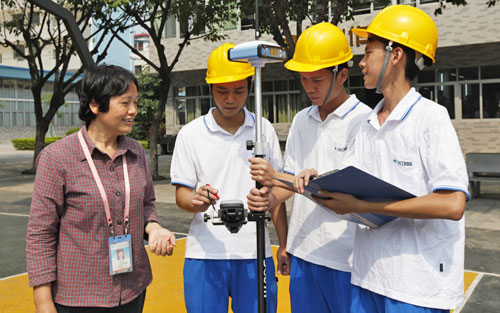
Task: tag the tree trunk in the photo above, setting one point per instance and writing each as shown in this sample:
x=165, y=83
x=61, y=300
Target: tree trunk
x=155, y=127
x=43, y=123
x=40, y=130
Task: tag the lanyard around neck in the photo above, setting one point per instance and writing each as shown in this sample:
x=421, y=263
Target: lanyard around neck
x=101, y=187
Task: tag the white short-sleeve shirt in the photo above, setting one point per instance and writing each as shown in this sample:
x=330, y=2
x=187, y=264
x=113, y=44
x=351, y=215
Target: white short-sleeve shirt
x=417, y=261
x=205, y=153
x=315, y=234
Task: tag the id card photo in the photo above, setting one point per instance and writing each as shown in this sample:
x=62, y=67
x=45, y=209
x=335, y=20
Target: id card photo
x=120, y=255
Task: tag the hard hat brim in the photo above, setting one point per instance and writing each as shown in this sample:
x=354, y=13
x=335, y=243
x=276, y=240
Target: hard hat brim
x=227, y=79
x=295, y=66
x=361, y=32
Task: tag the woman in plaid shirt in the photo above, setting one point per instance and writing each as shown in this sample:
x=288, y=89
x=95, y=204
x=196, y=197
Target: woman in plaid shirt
x=74, y=211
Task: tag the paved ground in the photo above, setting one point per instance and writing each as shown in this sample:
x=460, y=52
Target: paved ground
x=482, y=253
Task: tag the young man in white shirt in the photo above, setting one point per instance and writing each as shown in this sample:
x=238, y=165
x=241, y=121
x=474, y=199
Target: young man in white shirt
x=209, y=165
x=321, y=137
x=414, y=263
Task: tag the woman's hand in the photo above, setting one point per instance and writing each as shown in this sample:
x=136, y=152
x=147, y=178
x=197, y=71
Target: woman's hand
x=302, y=180
x=205, y=196
x=42, y=296
x=161, y=240
x=47, y=307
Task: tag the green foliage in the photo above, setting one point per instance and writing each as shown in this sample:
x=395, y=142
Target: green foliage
x=29, y=143
x=203, y=19
x=144, y=143
x=147, y=105
x=72, y=130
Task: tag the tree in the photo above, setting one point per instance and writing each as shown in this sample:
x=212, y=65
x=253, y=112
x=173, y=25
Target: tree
x=202, y=20
x=276, y=17
x=30, y=32
x=147, y=106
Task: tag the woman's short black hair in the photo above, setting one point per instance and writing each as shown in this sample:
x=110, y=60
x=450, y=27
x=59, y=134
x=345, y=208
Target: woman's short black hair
x=98, y=85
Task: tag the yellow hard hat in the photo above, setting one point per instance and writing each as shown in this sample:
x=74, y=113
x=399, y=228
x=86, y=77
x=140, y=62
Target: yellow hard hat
x=406, y=25
x=221, y=70
x=320, y=46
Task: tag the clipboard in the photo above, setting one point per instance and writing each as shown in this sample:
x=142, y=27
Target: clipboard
x=364, y=186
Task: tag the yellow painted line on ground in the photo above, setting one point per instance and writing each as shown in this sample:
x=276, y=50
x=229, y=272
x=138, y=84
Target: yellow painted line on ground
x=468, y=279
x=471, y=279
x=166, y=293
x=16, y=295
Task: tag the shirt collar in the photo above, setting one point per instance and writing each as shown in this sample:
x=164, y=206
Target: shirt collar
x=342, y=111
x=402, y=109
x=212, y=125
x=122, y=147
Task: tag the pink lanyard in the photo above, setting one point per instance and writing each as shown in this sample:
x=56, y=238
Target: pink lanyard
x=101, y=187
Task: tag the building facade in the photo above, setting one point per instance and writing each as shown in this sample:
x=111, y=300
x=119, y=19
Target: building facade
x=17, y=117
x=465, y=78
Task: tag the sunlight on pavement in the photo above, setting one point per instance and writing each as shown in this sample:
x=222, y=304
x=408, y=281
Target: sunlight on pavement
x=165, y=294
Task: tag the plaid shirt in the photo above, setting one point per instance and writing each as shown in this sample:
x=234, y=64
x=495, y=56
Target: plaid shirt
x=67, y=238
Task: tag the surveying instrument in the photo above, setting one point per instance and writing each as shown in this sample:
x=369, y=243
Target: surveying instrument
x=232, y=213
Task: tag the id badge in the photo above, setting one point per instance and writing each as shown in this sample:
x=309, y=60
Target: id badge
x=120, y=254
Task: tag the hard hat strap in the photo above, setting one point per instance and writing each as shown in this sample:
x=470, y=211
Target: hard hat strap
x=332, y=85
x=388, y=50
x=419, y=60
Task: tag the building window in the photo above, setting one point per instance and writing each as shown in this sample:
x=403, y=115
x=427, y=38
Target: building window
x=138, y=69
x=361, y=7
x=491, y=100
x=139, y=45
x=8, y=88
x=191, y=102
x=407, y=2
x=170, y=27
x=248, y=17
x=280, y=102
x=368, y=6
x=470, y=101
x=427, y=76
x=6, y=119
x=380, y=4
x=466, y=92
x=231, y=24
x=490, y=72
x=468, y=73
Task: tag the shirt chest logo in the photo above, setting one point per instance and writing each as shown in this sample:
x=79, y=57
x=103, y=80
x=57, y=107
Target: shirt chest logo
x=340, y=149
x=403, y=163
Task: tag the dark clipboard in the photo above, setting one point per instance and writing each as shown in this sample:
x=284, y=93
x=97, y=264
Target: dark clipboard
x=364, y=186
